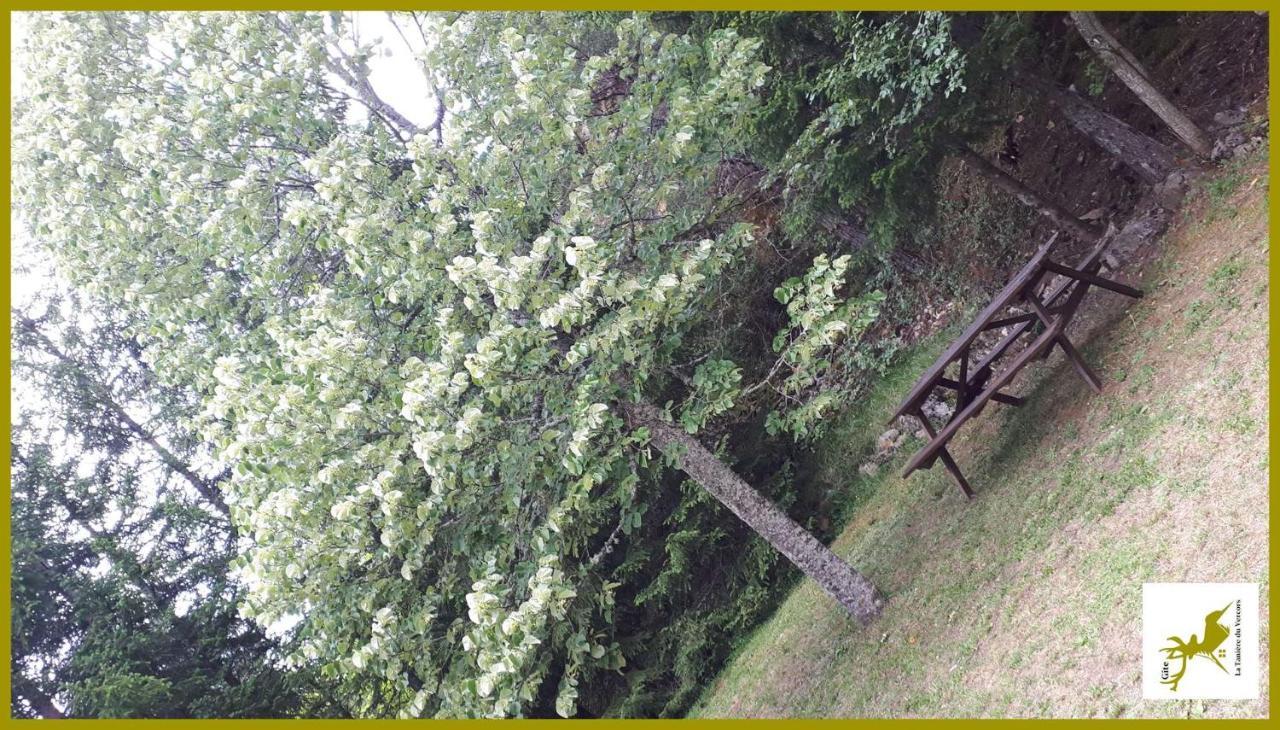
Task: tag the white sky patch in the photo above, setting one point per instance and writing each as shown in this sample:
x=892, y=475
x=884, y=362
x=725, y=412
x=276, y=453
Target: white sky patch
x=396, y=74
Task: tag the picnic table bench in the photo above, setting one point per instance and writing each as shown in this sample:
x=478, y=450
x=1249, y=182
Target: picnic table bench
x=1048, y=312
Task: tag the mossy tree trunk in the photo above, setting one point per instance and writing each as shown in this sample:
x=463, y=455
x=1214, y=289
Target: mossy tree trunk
x=1152, y=160
x=847, y=586
x=1135, y=76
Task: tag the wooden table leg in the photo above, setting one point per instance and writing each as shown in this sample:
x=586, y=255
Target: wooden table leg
x=1094, y=279
x=945, y=455
x=1061, y=340
x=1081, y=366
x=952, y=467
x=1044, y=315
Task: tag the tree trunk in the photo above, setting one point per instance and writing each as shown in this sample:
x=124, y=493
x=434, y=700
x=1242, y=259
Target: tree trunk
x=849, y=587
x=1135, y=76
x=1060, y=216
x=1152, y=160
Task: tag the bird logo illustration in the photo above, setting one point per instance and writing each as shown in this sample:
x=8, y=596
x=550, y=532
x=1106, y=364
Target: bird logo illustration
x=1214, y=634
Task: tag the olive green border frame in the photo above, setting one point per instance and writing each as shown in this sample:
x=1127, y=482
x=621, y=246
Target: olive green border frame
x=5, y=323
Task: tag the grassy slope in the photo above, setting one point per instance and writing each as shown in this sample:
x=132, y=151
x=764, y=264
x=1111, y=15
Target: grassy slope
x=1027, y=601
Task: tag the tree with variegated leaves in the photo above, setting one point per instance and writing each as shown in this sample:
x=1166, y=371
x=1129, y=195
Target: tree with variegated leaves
x=435, y=358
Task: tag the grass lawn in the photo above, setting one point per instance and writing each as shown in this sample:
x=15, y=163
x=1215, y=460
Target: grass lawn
x=1027, y=600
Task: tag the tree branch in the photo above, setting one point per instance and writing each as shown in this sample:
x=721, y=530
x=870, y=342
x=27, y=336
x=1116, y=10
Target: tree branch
x=205, y=487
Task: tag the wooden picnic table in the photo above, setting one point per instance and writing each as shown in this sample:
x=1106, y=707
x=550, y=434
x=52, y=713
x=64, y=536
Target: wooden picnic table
x=1048, y=312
